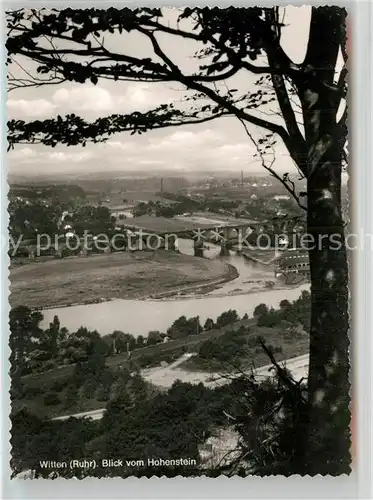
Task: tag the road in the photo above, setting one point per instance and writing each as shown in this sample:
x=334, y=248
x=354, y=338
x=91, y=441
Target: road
x=298, y=367
x=98, y=414
x=93, y=415
x=165, y=376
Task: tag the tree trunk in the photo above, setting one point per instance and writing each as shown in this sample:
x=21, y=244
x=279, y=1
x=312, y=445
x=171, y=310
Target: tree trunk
x=328, y=383
x=328, y=438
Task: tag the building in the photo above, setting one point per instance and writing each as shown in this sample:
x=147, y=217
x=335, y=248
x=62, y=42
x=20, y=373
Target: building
x=281, y=197
x=122, y=212
x=293, y=262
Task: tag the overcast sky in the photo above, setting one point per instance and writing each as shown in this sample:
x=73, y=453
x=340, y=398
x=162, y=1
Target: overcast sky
x=218, y=145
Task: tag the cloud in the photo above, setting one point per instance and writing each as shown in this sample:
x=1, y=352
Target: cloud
x=236, y=148
x=45, y=156
x=30, y=108
x=141, y=96
x=126, y=146
x=137, y=95
x=149, y=161
x=182, y=140
x=76, y=156
x=91, y=100
x=83, y=98
x=22, y=154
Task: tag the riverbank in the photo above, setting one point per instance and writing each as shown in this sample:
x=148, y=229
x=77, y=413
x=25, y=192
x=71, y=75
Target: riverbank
x=92, y=280
x=255, y=287
x=141, y=316
x=262, y=257
x=200, y=289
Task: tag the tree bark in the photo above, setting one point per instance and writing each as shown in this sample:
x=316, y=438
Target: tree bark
x=328, y=382
x=327, y=422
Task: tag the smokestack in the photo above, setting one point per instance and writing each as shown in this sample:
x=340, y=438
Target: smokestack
x=241, y=177
x=161, y=185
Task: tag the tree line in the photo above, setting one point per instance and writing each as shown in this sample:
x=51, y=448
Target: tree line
x=34, y=349
x=298, y=311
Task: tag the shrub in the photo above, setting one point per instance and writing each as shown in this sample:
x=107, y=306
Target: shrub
x=50, y=365
x=269, y=319
x=32, y=392
x=51, y=399
x=260, y=310
x=252, y=341
x=59, y=385
x=102, y=394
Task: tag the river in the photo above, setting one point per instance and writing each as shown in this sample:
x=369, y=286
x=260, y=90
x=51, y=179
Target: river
x=138, y=317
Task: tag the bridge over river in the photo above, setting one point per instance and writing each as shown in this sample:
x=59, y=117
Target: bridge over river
x=202, y=228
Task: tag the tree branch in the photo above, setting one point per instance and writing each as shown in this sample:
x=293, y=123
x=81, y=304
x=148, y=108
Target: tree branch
x=285, y=181
x=73, y=130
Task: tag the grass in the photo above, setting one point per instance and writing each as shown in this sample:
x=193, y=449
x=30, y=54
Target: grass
x=77, y=280
x=36, y=405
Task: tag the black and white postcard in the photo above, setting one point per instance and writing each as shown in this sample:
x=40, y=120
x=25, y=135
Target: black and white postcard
x=178, y=263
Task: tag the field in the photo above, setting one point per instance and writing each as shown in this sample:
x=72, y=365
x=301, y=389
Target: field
x=74, y=280
x=162, y=225
x=133, y=197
